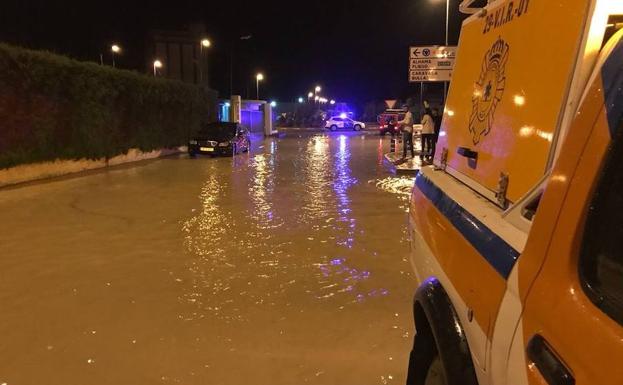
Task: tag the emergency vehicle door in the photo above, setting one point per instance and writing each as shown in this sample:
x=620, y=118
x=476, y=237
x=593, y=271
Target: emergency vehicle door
x=573, y=315
x=514, y=67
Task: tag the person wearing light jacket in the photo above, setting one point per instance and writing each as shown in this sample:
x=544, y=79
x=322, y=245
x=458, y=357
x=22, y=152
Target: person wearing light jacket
x=428, y=134
x=406, y=126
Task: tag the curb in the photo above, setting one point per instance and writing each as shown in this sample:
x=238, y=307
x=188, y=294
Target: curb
x=410, y=167
x=40, y=171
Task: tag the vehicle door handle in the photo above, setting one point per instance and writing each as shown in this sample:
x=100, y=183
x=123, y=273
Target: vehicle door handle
x=550, y=366
x=466, y=152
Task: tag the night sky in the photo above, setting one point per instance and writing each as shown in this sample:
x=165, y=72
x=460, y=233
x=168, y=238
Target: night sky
x=356, y=49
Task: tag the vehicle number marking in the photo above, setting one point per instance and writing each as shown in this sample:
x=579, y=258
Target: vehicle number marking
x=504, y=14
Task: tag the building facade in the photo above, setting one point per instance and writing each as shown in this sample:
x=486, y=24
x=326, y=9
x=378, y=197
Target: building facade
x=181, y=54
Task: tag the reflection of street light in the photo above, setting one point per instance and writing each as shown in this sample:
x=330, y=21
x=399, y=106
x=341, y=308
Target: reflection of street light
x=115, y=49
x=205, y=43
x=332, y=101
x=310, y=95
x=317, y=98
x=157, y=65
x=258, y=78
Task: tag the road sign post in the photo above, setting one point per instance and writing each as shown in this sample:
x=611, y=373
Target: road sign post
x=431, y=64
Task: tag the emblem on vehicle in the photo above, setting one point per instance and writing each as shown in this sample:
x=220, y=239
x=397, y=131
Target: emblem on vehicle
x=488, y=90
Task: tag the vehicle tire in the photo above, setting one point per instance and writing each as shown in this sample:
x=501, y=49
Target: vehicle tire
x=440, y=354
x=435, y=374
x=333, y=128
x=357, y=127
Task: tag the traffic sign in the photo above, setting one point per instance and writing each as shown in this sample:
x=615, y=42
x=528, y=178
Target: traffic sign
x=431, y=63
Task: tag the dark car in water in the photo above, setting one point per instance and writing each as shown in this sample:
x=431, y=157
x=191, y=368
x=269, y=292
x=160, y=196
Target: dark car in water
x=220, y=139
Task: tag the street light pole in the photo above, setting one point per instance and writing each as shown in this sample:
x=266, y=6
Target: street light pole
x=115, y=49
x=157, y=64
x=258, y=78
x=205, y=43
x=447, y=20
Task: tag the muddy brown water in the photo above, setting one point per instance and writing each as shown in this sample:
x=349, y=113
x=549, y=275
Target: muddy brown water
x=288, y=265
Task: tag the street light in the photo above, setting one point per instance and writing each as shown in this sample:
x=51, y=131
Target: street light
x=115, y=49
x=205, y=43
x=301, y=100
x=157, y=65
x=318, y=89
x=310, y=95
x=332, y=102
x=258, y=78
x=273, y=104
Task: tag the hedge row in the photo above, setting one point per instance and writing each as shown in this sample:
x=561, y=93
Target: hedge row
x=53, y=107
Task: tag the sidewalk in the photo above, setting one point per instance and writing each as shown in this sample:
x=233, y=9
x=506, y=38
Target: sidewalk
x=408, y=166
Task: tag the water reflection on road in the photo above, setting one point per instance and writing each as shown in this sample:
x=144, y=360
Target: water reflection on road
x=284, y=266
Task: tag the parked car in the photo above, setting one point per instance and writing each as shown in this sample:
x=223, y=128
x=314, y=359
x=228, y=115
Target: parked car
x=220, y=138
x=344, y=122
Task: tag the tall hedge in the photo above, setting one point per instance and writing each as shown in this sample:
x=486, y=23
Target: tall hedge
x=53, y=107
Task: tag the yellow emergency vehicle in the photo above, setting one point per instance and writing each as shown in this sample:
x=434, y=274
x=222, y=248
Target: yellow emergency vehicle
x=517, y=228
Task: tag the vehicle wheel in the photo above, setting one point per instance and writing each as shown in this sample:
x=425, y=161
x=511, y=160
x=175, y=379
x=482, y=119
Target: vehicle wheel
x=357, y=127
x=334, y=128
x=435, y=374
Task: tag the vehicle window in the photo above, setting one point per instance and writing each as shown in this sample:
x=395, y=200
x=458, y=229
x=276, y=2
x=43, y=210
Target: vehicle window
x=601, y=258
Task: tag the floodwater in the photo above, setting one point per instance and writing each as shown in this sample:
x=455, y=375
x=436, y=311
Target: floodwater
x=285, y=266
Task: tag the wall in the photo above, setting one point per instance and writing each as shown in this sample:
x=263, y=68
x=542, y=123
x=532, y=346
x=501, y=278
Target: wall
x=52, y=107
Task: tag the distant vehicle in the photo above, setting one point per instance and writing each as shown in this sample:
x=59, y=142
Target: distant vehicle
x=343, y=121
x=220, y=138
x=388, y=116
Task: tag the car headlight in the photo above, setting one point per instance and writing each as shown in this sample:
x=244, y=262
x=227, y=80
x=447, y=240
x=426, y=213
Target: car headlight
x=193, y=142
x=224, y=144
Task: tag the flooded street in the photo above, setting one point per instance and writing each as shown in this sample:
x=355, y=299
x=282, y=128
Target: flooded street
x=287, y=266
